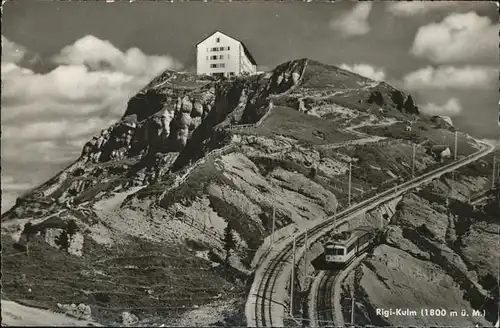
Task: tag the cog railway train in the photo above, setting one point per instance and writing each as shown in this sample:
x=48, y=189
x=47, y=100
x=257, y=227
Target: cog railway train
x=343, y=247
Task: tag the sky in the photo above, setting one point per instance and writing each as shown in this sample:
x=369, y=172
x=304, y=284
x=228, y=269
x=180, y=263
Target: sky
x=68, y=68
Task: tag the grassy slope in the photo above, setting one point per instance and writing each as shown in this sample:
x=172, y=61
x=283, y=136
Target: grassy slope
x=140, y=277
x=307, y=129
x=422, y=131
x=175, y=276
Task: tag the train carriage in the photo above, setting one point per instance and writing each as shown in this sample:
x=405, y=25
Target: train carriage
x=341, y=251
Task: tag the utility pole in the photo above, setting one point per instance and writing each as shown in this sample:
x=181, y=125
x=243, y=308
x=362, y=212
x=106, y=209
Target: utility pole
x=335, y=219
x=413, y=163
x=448, y=203
x=350, y=170
x=274, y=224
x=493, y=178
x=292, y=280
x=498, y=291
x=305, y=261
x=497, y=178
x=352, y=305
x=456, y=144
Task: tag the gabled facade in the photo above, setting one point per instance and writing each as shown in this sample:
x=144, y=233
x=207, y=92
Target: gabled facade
x=222, y=55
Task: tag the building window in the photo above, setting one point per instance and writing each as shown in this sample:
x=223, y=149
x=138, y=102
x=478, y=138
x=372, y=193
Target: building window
x=221, y=56
x=208, y=49
x=213, y=65
x=228, y=56
x=222, y=65
x=217, y=40
x=228, y=48
x=214, y=57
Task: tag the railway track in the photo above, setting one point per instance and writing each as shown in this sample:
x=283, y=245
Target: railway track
x=324, y=294
x=266, y=302
x=324, y=299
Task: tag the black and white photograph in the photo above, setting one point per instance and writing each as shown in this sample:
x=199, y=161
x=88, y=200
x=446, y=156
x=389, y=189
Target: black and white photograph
x=250, y=163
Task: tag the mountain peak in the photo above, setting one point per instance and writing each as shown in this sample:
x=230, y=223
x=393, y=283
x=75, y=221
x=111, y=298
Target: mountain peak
x=192, y=156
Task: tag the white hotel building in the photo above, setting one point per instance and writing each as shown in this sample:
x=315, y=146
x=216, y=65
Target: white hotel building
x=222, y=55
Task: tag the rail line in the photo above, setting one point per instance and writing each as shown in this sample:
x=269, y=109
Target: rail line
x=266, y=302
x=324, y=298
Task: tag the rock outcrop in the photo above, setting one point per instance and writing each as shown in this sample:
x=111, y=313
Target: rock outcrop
x=152, y=194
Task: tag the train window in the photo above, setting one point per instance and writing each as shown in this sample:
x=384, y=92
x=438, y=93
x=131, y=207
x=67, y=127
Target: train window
x=336, y=251
x=350, y=248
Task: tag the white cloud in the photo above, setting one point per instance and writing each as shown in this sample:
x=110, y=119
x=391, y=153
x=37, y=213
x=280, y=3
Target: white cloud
x=8, y=200
x=64, y=129
x=451, y=108
x=407, y=8
x=94, y=78
x=468, y=77
x=46, y=118
x=365, y=70
x=458, y=38
x=9, y=183
x=64, y=83
x=354, y=22
x=11, y=52
x=101, y=55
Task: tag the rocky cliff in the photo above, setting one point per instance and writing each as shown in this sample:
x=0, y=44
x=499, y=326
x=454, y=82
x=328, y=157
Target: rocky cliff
x=438, y=252
x=136, y=224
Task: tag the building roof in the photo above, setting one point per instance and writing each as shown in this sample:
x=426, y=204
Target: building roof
x=346, y=238
x=247, y=52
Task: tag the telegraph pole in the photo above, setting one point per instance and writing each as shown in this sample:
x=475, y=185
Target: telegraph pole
x=497, y=191
x=274, y=224
x=292, y=284
x=456, y=144
x=493, y=178
x=305, y=260
x=350, y=170
x=498, y=292
x=335, y=219
x=352, y=305
x=413, y=163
